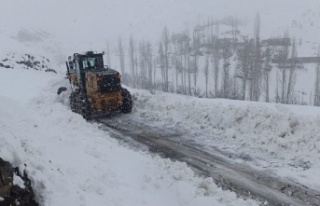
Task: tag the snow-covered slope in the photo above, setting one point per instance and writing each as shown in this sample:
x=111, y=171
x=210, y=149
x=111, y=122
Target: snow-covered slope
x=72, y=162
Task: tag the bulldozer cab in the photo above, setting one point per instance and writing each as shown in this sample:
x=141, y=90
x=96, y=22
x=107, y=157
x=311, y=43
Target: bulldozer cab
x=86, y=62
x=92, y=62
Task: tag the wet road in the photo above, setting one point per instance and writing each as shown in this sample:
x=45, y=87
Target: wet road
x=227, y=173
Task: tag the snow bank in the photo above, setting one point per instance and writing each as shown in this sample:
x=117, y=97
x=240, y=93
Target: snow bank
x=283, y=138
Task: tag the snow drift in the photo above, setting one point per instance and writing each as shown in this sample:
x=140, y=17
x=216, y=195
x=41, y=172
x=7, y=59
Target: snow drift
x=281, y=138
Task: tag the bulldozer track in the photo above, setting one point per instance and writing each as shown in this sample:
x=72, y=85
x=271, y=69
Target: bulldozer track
x=241, y=179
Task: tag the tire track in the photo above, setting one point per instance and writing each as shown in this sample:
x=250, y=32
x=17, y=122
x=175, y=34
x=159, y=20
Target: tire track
x=236, y=177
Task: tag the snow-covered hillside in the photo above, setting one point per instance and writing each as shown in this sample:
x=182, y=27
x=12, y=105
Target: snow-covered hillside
x=73, y=162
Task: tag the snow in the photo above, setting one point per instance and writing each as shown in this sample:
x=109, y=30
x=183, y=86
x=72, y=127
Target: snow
x=18, y=181
x=72, y=162
x=282, y=139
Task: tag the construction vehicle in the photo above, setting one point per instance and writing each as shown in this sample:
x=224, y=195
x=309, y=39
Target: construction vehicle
x=96, y=89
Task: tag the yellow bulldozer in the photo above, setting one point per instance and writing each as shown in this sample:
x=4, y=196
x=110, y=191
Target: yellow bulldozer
x=96, y=89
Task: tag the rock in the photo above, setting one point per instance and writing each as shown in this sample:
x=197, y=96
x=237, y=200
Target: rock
x=6, y=178
x=11, y=194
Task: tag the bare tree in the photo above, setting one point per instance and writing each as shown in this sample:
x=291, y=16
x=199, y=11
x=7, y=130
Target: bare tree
x=283, y=65
x=256, y=72
x=132, y=61
x=108, y=55
x=266, y=73
x=178, y=43
x=317, y=86
x=278, y=99
x=182, y=59
x=142, y=80
x=234, y=26
x=195, y=54
x=166, y=42
x=121, y=56
x=162, y=65
x=145, y=65
x=215, y=57
x=150, y=65
x=206, y=71
x=154, y=73
x=226, y=87
x=245, y=65
x=137, y=80
x=187, y=64
x=292, y=74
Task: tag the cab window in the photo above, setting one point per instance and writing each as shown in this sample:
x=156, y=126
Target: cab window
x=88, y=62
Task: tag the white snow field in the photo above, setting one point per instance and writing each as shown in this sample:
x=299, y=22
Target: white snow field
x=72, y=162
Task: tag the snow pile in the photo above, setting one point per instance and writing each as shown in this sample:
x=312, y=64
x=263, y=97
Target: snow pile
x=273, y=136
x=26, y=61
x=72, y=162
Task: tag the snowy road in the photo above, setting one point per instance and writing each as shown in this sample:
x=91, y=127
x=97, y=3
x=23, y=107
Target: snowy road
x=227, y=173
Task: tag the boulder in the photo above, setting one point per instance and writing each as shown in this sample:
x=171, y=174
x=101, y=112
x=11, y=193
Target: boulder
x=14, y=195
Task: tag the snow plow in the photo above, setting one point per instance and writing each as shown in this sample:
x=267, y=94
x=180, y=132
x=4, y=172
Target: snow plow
x=96, y=89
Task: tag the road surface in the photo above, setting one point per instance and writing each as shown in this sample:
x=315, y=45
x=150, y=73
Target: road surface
x=227, y=173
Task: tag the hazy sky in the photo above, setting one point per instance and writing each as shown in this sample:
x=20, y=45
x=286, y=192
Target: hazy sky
x=140, y=15
x=89, y=21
